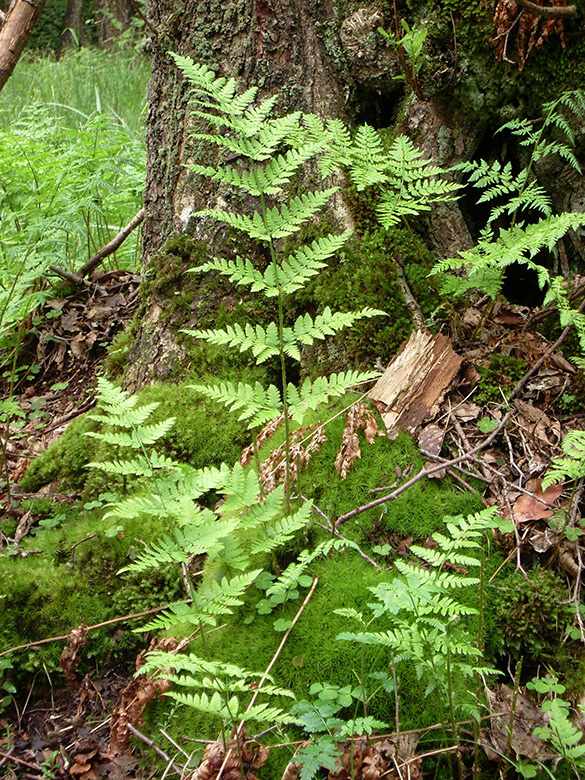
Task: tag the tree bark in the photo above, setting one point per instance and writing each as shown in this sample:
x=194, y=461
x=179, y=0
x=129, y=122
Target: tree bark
x=14, y=34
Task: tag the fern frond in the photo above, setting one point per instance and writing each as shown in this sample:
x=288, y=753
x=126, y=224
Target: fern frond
x=312, y=394
x=242, y=490
x=139, y=467
x=256, y=404
x=204, y=539
x=306, y=329
x=139, y=437
x=518, y=244
x=369, y=161
x=276, y=533
x=572, y=466
x=263, y=342
x=261, y=181
x=303, y=263
x=277, y=222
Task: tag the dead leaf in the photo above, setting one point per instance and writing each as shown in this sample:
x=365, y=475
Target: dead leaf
x=527, y=717
x=70, y=655
x=539, y=506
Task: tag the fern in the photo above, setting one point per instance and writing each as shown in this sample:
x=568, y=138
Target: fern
x=227, y=683
x=514, y=196
x=572, y=466
x=410, y=184
x=271, y=153
x=428, y=626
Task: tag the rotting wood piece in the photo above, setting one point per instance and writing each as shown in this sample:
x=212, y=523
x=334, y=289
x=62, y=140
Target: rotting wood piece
x=415, y=382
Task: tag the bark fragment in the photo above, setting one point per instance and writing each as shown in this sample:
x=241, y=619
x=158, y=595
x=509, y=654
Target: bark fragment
x=416, y=381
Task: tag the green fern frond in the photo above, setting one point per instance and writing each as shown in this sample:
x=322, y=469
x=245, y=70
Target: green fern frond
x=139, y=467
x=142, y=436
x=276, y=222
x=572, y=466
x=262, y=181
x=276, y=533
x=518, y=244
x=242, y=490
x=256, y=404
x=312, y=394
x=369, y=160
x=204, y=539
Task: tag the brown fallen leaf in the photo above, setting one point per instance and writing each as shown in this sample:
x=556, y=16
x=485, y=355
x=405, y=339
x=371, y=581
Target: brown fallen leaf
x=527, y=508
x=358, y=418
x=527, y=717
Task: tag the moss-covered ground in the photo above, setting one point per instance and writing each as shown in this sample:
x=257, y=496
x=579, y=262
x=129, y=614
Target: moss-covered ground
x=65, y=584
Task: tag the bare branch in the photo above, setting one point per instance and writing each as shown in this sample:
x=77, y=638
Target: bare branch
x=548, y=11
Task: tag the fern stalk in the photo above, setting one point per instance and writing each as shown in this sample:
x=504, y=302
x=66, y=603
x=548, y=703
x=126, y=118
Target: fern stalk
x=282, y=359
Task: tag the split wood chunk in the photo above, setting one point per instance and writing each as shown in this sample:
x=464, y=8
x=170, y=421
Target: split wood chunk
x=416, y=381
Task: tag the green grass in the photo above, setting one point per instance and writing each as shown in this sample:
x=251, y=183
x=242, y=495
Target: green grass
x=78, y=84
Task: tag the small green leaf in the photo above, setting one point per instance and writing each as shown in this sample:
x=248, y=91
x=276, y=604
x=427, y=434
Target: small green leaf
x=487, y=424
x=281, y=625
x=527, y=770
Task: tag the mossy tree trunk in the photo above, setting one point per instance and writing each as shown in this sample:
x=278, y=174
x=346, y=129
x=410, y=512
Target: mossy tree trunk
x=324, y=56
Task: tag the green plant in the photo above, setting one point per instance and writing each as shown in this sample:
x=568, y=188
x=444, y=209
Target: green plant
x=562, y=735
x=533, y=614
x=515, y=200
x=430, y=619
x=572, y=466
x=410, y=53
x=273, y=152
x=7, y=688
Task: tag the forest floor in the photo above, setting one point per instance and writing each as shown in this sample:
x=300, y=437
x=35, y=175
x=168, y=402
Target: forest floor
x=497, y=422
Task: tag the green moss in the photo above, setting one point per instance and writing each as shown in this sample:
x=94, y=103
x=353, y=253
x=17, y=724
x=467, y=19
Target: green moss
x=365, y=275
x=204, y=434
x=500, y=374
x=61, y=586
x=534, y=614
x=65, y=460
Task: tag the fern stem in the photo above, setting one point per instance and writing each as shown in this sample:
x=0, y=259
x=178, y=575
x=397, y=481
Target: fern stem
x=287, y=486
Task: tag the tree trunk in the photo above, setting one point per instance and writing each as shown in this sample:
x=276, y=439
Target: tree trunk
x=17, y=27
x=116, y=18
x=322, y=57
x=73, y=23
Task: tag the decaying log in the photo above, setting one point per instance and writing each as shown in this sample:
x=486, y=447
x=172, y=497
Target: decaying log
x=416, y=380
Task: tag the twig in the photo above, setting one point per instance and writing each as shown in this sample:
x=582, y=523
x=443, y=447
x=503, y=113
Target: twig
x=425, y=473
x=520, y=384
x=548, y=11
x=267, y=672
x=160, y=753
x=103, y=252
x=92, y=628
x=467, y=473
x=7, y=756
x=519, y=566
x=81, y=541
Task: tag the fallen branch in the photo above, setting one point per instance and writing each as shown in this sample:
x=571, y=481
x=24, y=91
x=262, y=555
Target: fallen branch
x=104, y=251
x=548, y=11
x=426, y=472
x=92, y=628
